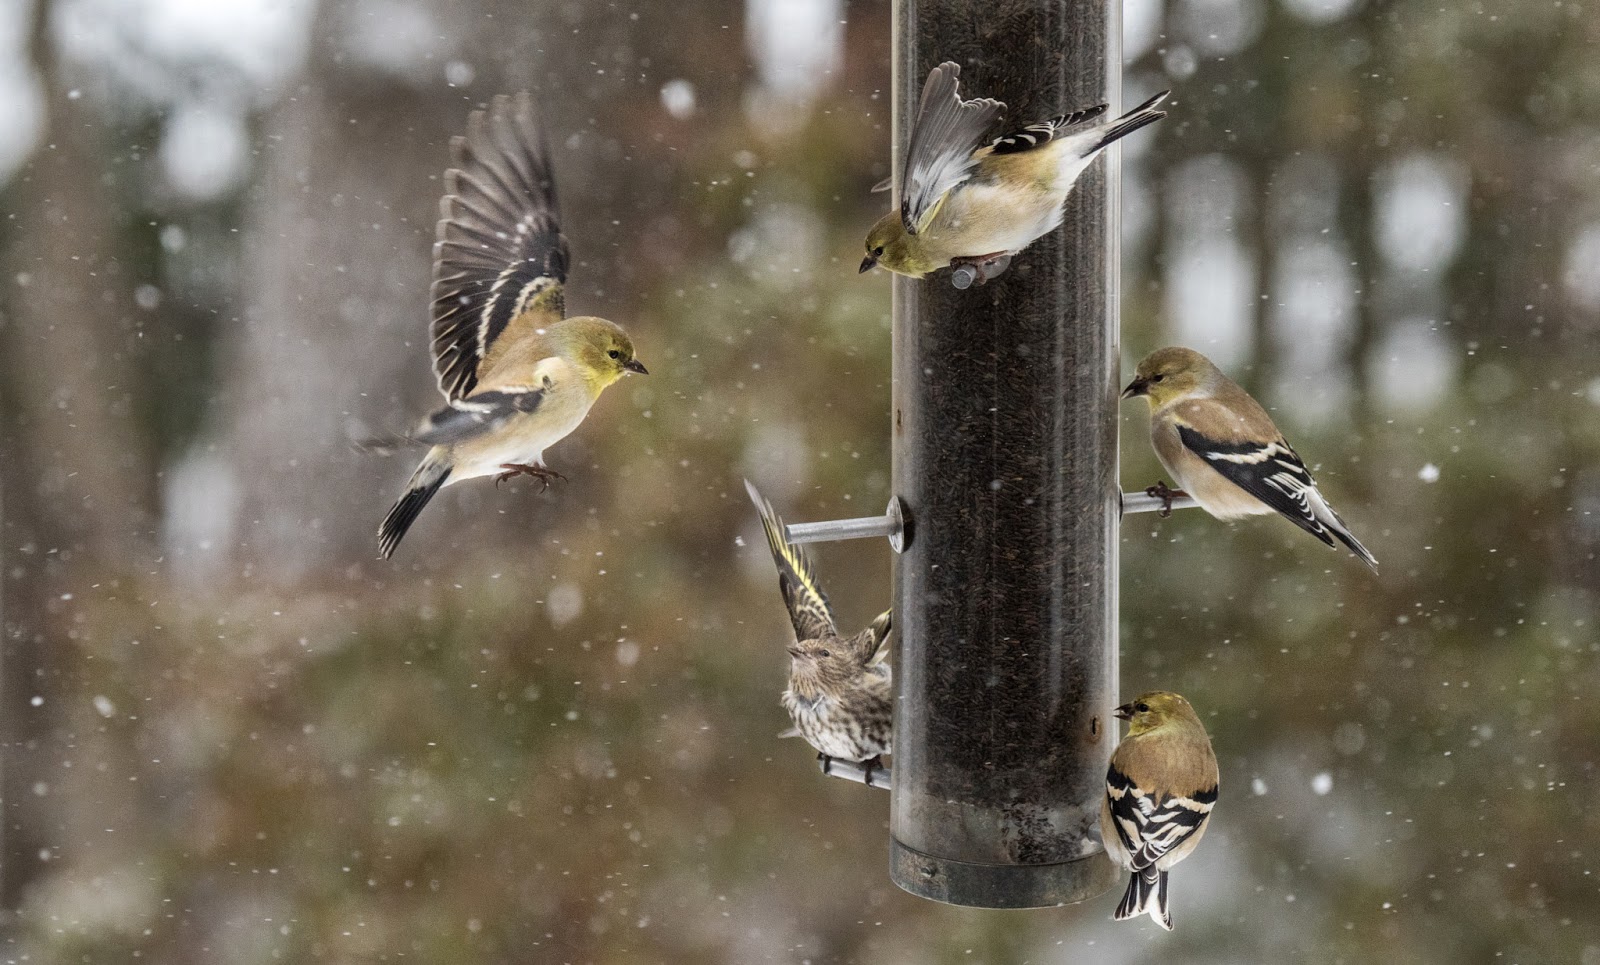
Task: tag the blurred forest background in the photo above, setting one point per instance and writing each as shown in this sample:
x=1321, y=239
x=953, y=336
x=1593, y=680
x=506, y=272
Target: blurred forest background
x=544, y=733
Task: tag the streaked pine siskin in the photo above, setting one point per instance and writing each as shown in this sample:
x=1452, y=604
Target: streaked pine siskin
x=839, y=696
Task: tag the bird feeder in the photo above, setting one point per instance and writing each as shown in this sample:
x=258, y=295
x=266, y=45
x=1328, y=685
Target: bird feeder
x=1005, y=456
x=1006, y=503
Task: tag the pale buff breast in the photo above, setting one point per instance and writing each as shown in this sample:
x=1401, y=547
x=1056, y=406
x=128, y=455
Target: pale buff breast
x=524, y=439
x=1211, y=489
x=985, y=218
x=1013, y=201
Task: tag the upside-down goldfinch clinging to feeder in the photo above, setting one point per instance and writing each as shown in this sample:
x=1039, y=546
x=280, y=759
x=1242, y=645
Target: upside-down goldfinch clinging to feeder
x=518, y=375
x=1160, y=789
x=972, y=205
x=1224, y=450
x=839, y=694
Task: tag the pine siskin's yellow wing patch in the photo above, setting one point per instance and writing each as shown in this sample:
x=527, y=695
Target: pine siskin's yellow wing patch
x=797, y=579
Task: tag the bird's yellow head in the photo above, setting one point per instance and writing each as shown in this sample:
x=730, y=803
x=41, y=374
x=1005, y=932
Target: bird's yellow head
x=601, y=349
x=890, y=245
x=819, y=667
x=1169, y=374
x=1156, y=709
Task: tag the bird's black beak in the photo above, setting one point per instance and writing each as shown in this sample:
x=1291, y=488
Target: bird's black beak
x=1125, y=712
x=1136, y=387
x=796, y=652
x=634, y=365
x=867, y=264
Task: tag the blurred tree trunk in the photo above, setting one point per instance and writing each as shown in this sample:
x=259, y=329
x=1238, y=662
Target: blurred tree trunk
x=1255, y=232
x=1357, y=223
x=1358, y=166
x=1260, y=152
x=333, y=339
x=76, y=475
x=338, y=248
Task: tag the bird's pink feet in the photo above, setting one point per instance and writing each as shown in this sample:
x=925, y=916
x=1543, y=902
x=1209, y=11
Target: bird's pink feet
x=514, y=469
x=978, y=268
x=1161, y=492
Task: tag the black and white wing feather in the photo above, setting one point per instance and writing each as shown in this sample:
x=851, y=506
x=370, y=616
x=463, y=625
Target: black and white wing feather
x=946, y=133
x=477, y=414
x=1151, y=827
x=500, y=255
x=1275, y=474
x=1088, y=129
x=1272, y=473
x=1042, y=133
x=797, y=579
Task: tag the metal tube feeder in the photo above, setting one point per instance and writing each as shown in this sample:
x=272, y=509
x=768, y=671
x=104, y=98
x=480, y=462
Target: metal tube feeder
x=1005, y=456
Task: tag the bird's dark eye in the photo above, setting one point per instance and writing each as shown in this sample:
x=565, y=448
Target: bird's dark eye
x=877, y=252
x=614, y=354
x=1142, y=708
x=1158, y=378
x=824, y=653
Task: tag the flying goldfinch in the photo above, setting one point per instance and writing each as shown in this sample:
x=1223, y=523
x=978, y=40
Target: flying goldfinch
x=1160, y=789
x=839, y=694
x=1222, y=448
x=517, y=375
x=972, y=205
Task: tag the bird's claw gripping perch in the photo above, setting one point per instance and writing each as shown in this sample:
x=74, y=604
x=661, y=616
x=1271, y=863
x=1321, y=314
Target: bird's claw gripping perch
x=514, y=469
x=872, y=772
x=978, y=268
x=1161, y=492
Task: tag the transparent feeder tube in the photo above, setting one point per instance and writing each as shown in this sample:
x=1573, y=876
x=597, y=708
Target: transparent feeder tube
x=1005, y=457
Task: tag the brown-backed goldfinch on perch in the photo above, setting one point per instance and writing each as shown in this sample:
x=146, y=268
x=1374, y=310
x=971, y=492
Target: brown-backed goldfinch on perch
x=1224, y=450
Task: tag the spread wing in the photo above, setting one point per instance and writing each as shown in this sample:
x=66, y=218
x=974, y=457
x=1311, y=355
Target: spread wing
x=947, y=132
x=1151, y=828
x=1042, y=133
x=500, y=256
x=871, y=645
x=797, y=580
x=1273, y=473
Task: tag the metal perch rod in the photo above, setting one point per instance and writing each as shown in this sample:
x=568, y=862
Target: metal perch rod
x=878, y=777
x=834, y=529
x=1146, y=503
x=890, y=524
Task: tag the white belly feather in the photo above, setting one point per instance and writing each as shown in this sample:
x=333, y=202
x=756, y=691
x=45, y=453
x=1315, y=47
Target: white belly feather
x=989, y=218
x=524, y=439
